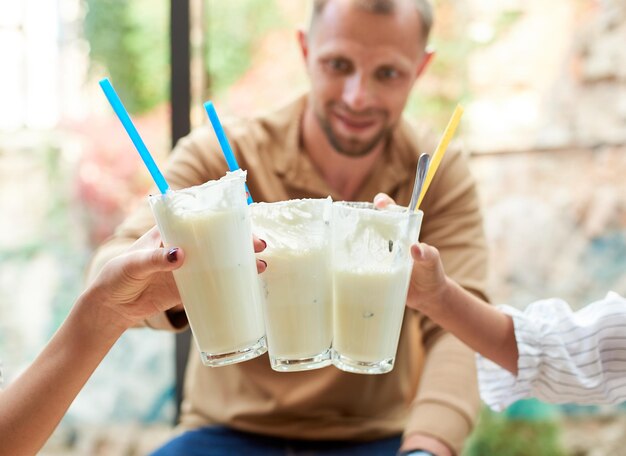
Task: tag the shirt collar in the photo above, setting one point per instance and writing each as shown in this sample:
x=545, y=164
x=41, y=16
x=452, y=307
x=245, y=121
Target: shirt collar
x=393, y=168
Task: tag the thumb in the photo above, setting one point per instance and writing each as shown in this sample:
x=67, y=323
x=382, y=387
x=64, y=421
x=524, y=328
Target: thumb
x=417, y=252
x=140, y=264
x=424, y=253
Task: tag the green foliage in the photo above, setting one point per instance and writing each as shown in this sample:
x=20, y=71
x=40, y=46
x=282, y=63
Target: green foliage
x=449, y=68
x=61, y=239
x=496, y=434
x=505, y=21
x=232, y=30
x=130, y=39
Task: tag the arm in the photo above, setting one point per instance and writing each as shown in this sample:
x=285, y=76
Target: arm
x=447, y=402
x=120, y=297
x=440, y=422
x=564, y=356
x=480, y=326
x=546, y=351
x=34, y=403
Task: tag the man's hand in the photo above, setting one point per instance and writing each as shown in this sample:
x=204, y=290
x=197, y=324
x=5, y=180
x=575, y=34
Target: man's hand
x=382, y=200
x=427, y=443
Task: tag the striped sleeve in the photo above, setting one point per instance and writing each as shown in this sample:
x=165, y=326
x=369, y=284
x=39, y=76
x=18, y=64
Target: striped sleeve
x=564, y=356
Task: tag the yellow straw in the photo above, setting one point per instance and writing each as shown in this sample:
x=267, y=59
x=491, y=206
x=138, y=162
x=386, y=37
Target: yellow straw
x=441, y=150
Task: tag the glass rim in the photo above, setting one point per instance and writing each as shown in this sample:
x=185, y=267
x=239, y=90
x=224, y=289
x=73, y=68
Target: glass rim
x=292, y=201
x=228, y=179
x=368, y=207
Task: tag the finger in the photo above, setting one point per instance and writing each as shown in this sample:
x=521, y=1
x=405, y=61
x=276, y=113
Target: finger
x=259, y=244
x=261, y=266
x=143, y=263
x=382, y=200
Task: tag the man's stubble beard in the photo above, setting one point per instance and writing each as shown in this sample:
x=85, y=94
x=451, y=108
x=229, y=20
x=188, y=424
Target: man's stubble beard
x=357, y=149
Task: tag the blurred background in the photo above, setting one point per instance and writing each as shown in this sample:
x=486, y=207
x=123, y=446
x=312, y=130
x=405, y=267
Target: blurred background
x=544, y=86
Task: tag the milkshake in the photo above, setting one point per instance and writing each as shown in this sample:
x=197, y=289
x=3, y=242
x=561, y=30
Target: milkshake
x=297, y=281
x=368, y=314
x=371, y=271
x=218, y=282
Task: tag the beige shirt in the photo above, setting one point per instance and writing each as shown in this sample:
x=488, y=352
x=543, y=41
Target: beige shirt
x=432, y=388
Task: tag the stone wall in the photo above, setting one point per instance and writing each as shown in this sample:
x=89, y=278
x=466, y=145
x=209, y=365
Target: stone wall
x=555, y=222
x=553, y=77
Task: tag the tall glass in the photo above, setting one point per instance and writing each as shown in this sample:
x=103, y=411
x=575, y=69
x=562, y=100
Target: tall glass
x=371, y=270
x=218, y=282
x=297, y=281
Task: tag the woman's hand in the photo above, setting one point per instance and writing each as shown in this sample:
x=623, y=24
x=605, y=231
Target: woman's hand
x=428, y=279
x=138, y=283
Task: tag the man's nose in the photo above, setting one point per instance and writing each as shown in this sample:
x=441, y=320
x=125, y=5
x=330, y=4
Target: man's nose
x=356, y=92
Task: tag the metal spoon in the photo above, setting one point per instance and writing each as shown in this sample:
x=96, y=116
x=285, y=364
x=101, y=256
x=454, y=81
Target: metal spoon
x=420, y=175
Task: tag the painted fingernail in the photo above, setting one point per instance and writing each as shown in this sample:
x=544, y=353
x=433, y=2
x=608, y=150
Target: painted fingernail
x=172, y=255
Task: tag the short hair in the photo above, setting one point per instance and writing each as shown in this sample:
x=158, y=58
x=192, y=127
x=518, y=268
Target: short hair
x=424, y=9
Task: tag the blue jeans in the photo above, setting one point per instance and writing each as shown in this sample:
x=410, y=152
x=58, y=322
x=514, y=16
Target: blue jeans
x=219, y=440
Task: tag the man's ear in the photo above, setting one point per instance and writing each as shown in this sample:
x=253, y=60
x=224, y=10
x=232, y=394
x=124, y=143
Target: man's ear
x=429, y=53
x=303, y=43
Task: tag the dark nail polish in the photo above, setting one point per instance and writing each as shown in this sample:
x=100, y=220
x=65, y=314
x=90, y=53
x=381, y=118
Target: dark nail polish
x=172, y=255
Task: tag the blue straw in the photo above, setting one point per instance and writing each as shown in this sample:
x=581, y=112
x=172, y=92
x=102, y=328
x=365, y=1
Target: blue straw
x=231, y=161
x=122, y=114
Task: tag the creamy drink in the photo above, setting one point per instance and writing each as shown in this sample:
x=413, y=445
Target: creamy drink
x=371, y=271
x=297, y=281
x=218, y=282
x=369, y=313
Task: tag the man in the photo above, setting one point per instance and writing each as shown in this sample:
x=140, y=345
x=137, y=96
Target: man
x=347, y=139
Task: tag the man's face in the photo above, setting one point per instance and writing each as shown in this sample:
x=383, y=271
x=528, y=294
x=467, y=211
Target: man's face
x=362, y=67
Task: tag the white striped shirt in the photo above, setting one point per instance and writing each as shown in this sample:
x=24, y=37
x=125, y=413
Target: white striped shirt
x=564, y=356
